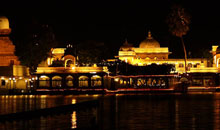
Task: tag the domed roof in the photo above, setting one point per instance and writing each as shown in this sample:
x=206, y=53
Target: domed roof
x=149, y=42
x=126, y=46
x=4, y=23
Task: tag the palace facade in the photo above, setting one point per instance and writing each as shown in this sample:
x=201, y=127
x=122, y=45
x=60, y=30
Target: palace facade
x=150, y=51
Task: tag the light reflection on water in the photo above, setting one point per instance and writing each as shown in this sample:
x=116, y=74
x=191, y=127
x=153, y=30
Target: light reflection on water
x=193, y=111
x=19, y=103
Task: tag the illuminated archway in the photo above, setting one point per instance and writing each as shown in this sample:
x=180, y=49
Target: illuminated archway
x=69, y=58
x=96, y=81
x=69, y=81
x=83, y=81
x=21, y=84
x=217, y=64
x=56, y=81
x=44, y=81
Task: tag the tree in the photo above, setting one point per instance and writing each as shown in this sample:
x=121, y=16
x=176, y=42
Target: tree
x=36, y=45
x=90, y=52
x=178, y=21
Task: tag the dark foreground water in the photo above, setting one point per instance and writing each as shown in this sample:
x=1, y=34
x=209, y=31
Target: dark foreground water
x=193, y=111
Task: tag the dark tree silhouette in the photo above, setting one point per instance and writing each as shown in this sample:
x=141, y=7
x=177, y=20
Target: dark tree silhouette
x=178, y=21
x=35, y=46
x=90, y=52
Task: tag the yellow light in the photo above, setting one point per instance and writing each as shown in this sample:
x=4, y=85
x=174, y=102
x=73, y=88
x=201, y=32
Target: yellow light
x=73, y=101
x=73, y=68
x=43, y=76
x=74, y=120
x=2, y=78
x=116, y=79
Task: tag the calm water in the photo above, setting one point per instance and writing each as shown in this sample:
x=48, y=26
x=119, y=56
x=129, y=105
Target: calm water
x=193, y=111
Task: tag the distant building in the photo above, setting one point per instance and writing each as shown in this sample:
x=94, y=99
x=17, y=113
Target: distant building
x=12, y=74
x=149, y=52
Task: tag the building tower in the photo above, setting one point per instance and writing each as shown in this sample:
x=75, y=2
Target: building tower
x=7, y=49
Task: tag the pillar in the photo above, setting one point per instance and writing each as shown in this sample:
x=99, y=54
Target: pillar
x=63, y=82
x=50, y=81
x=89, y=81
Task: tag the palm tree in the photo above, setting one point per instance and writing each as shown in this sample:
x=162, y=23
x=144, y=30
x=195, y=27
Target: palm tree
x=178, y=21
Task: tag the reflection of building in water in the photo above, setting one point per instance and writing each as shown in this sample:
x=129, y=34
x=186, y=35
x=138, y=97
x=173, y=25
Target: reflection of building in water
x=13, y=75
x=73, y=120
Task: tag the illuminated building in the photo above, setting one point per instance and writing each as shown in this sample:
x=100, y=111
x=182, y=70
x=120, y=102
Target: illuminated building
x=149, y=52
x=200, y=71
x=13, y=75
x=69, y=76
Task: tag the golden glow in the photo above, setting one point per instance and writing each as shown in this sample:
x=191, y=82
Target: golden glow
x=73, y=101
x=116, y=79
x=43, y=96
x=4, y=23
x=58, y=50
x=214, y=48
x=74, y=120
x=73, y=68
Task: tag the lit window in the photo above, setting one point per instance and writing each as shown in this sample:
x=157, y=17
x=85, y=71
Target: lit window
x=181, y=65
x=190, y=65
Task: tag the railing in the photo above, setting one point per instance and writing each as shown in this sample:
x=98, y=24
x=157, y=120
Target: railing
x=71, y=69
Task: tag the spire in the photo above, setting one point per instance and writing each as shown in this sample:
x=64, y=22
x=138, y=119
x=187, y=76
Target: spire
x=126, y=41
x=149, y=35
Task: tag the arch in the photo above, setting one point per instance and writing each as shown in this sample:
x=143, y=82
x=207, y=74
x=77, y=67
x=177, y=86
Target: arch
x=181, y=65
x=83, y=81
x=44, y=81
x=56, y=81
x=96, y=81
x=190, y=65
x=218, y=62
x=69, y=81
x=21, y=84
x=69, y=58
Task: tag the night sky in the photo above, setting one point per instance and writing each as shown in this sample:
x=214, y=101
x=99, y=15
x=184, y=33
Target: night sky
x=109, y=21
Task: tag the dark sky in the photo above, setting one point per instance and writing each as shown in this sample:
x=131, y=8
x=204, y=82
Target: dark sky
x=111, y=21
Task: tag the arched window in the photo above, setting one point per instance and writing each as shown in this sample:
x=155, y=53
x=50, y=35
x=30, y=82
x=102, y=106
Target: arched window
x=96, y=81
x=181, y=65
x=69, y=81
x=83, y=81
x=190, y=65
x=147, y=58
x=44, y=81
x=56, y=81
x=68, y=63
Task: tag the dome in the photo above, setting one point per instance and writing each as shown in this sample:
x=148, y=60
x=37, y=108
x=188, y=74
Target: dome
x=149, y=42
x=4, y=23
x=126, y=46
